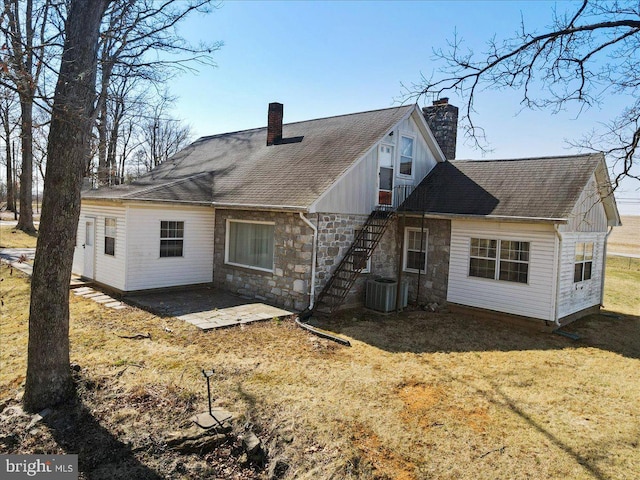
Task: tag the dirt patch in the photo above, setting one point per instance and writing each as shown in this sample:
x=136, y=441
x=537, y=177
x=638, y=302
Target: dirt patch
x=432, y=406
x=385, y=464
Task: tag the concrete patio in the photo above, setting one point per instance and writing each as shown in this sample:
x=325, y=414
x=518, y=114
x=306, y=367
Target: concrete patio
x=206, y=307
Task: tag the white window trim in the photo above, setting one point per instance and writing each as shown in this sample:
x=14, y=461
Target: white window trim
x=184, y=229
x=229, y=221
x=114, y=236
x=497, y=259
x=406, y=249
x=399, y=155
x=584, y=260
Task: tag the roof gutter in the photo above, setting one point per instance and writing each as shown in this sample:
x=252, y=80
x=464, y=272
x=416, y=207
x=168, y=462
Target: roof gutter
x=230, y=206
x=501, y=218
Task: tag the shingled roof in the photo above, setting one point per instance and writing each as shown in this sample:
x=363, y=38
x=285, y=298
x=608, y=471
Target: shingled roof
x=542, y=188
x=240, y=169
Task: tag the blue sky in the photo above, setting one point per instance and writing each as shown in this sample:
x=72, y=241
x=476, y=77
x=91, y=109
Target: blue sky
x=329, y=58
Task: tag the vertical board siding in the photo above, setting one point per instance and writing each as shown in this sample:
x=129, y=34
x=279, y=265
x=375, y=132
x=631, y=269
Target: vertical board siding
x=356, y=192
x=109, y=270
x=574, y=297
x=145, y=268
x=589, y=214
x=534, y=299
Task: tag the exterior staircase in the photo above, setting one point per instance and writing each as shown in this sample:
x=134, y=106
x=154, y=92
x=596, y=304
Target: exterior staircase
x=355, y=260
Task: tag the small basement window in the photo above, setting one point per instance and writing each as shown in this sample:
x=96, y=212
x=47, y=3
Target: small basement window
x=110, y=236
x=583, y=262
x=171, y=238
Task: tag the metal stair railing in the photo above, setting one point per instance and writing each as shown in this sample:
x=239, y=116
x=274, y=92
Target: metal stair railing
x=354, y=261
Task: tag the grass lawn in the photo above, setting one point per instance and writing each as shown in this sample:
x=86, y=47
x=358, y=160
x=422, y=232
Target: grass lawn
x=418, y=396
x=12, y=238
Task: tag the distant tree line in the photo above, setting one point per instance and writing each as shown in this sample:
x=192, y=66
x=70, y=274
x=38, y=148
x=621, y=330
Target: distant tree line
x=140, y=50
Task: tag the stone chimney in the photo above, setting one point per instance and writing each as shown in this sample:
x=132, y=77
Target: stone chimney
x=442, y=119
x=274, y=123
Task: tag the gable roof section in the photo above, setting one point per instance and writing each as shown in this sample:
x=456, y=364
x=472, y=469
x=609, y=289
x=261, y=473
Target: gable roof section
x=238, y=169
x=533, y=188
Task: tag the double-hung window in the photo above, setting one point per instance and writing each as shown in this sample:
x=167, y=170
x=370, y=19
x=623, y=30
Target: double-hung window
x=415, y=250
x=250, y=244
x=406, y=155
x=171, y=238
x=110, y=236
x=583, y=262
x=506, y=260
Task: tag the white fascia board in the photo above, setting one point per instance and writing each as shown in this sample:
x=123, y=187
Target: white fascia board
x=603, y=183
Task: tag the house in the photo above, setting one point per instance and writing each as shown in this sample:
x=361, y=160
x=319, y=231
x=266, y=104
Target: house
x=301, y=214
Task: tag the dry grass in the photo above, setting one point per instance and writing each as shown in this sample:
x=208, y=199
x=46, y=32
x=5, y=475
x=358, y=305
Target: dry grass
x=417, y=396
x=12, y=238
x=626, y=239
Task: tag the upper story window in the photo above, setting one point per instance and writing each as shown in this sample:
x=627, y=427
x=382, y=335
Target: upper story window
x=506, y=260
x=110, y=236
x=171, y=238
x=406, y=155
x=583, y=262
x=250, y=244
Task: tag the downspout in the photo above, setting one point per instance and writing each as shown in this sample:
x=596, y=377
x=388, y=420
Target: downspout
x=314, y=256
x=604, y=266
x=306, y=314
x=557, y=279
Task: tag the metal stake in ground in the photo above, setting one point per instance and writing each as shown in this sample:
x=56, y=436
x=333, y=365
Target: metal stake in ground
x=214, y=416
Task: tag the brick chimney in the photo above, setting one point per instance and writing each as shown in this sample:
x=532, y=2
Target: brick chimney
x=442, y=119
x=274, y=123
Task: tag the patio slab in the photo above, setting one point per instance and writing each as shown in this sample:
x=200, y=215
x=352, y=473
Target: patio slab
x=206, y=307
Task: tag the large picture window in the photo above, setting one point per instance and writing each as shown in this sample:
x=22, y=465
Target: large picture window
x=250, y=244
x=583, y=262
x=406, y=155
x=506, y=260
x=171, y=239
x=415, y=250
x=110, y=236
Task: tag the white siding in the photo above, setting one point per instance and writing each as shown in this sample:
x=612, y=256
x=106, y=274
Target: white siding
x=534, y=299
x=109, y=270
x=145, y=268
x=588, y=215
x=357, y=191
x=574, y=297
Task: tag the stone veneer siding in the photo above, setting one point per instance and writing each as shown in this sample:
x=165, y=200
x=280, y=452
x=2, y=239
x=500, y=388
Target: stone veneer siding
x=288, y=285
x=433, y=284
x=336, y=233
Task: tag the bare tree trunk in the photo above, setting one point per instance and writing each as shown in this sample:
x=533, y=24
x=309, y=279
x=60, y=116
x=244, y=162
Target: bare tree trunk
x=25, y=222
x=48, y=379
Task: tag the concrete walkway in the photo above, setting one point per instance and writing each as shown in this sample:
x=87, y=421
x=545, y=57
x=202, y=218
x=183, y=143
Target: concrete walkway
x=206, y=307
x=20, y=258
